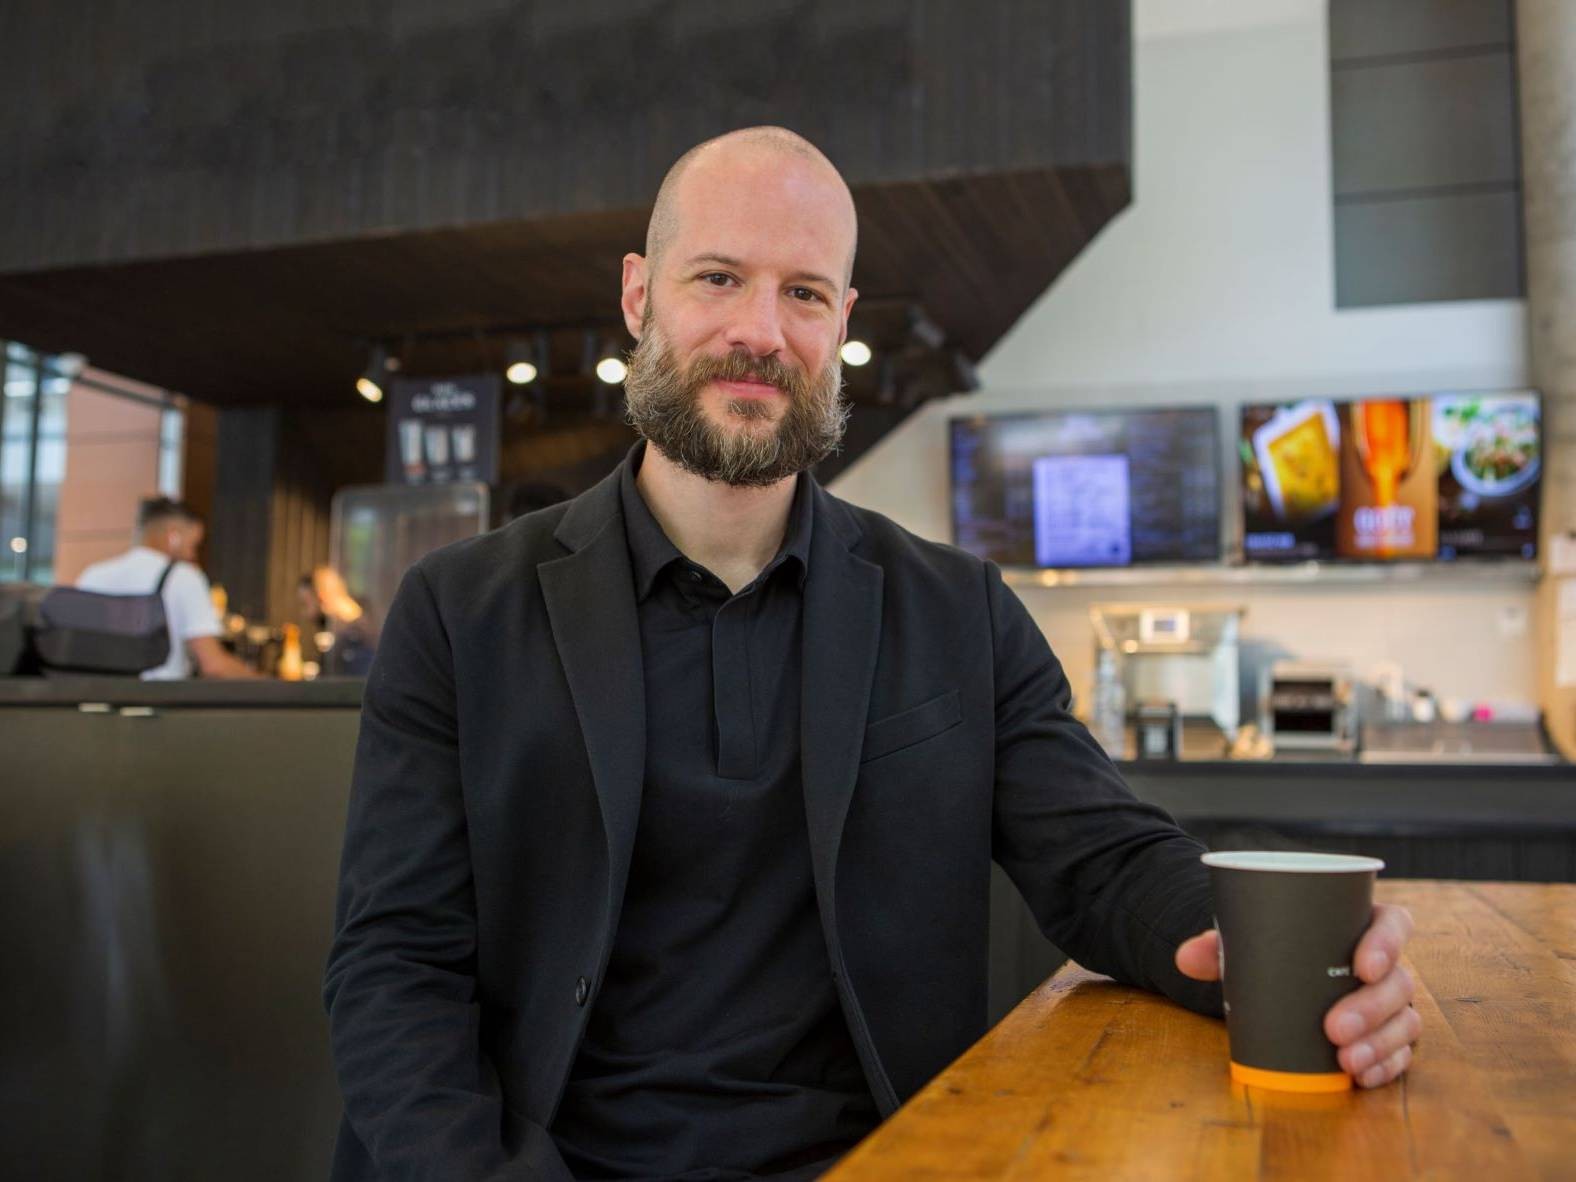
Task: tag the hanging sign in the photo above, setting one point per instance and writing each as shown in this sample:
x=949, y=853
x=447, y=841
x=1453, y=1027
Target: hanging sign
x=443, y=430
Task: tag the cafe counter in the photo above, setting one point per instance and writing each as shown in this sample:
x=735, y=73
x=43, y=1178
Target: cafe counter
x=117, y=692
x=168, y=857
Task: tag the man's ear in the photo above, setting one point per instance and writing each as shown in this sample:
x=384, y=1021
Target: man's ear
x=848, y=306
x=635, y=296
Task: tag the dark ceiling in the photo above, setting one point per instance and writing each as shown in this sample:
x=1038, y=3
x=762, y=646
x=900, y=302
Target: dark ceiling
x=291, y=325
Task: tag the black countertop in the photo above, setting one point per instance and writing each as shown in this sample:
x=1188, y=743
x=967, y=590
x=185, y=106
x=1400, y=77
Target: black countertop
x=1392, y=799
x=1304, y=768
x=343, y=692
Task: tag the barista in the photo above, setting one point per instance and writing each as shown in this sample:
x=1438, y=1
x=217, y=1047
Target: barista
x=168, y=535
x=342, y=629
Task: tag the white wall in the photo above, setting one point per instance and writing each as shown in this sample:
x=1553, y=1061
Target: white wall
x=1216, y=287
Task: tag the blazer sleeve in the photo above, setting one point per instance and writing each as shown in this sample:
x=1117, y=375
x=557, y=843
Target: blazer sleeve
x=1111, y=880
x=400, y=987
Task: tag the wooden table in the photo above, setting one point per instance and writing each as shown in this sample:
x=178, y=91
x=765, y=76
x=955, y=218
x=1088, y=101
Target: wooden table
x=1089, y=1079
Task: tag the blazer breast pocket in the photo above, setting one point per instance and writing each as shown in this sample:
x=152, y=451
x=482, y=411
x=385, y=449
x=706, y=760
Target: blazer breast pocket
x=914, y=725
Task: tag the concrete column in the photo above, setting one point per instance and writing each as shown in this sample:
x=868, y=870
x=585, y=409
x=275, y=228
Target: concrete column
x=1546, y=57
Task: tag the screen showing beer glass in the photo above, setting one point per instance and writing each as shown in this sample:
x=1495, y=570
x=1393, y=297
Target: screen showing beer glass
x=1087, y=488
x=1442, y=477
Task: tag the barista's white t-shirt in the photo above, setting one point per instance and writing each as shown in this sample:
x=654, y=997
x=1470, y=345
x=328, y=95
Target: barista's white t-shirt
x=187, y=607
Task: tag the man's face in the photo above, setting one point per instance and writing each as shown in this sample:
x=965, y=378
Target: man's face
x=737, y=377
x=794, y=422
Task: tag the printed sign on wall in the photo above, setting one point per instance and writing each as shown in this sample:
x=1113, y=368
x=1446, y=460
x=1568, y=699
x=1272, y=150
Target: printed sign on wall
x=442, y=430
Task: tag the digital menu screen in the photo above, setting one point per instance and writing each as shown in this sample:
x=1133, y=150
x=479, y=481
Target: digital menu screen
x=1087, y=488
x=1386, y=479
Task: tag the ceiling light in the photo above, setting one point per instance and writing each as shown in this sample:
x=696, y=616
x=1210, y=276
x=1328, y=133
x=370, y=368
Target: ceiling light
x=965, y=376
x=886, y=384
x=520, y=363
x=611, y=370
x=19, y=545
x=370, y=384
x=923, y=329
x=855, y=353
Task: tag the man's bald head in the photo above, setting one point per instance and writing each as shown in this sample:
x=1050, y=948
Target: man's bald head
x=715, y=155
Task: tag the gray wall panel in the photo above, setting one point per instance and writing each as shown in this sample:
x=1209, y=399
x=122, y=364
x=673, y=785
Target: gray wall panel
x=1424, y=125
x=1439, y=248
x=1366, y=28
x=1425, y=166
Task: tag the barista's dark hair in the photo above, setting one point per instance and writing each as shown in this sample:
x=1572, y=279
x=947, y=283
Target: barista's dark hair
x=153, y=510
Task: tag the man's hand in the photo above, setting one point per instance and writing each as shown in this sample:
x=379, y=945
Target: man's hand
x=1375, y=1025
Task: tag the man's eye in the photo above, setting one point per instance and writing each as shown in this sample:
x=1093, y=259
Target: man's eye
x=804, y=294
x=716, y=278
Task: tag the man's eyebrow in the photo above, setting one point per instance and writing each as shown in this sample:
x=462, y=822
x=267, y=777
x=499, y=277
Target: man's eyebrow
x=723, y=260
x=812, y=277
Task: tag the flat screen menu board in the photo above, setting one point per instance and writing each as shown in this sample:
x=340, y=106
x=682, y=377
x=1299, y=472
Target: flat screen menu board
x=1443, y=477
x=1087, y=488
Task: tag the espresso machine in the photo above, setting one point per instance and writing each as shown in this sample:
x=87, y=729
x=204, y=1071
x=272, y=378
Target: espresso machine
x=1178, y=669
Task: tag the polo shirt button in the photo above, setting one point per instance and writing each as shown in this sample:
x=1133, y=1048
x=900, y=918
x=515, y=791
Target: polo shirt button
x=582, y=991
x=696, y=576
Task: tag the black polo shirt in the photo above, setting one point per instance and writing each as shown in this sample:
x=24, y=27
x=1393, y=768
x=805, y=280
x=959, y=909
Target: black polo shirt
x=717, y=1048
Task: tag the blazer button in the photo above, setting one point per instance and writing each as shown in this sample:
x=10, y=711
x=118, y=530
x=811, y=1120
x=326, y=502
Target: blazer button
x=582, y=991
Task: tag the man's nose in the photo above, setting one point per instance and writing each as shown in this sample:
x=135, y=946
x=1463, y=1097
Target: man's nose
x=757, y=324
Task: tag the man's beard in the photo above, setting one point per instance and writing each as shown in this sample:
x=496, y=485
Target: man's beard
x=663, y=404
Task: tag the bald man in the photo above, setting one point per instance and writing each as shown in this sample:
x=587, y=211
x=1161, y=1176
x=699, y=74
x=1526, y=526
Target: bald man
x=674, y=806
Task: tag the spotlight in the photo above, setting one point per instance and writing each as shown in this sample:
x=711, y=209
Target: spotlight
x=886, y=386
x=370, y=384
x=612, y=370
x=855, y=353
x=923, y=329
x=964, y=376
x=542, y=352
x=520, y=364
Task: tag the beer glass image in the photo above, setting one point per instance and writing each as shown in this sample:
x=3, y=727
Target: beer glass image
x=410, y=450
x=438, y=446
x=463, y=437
x=1388, y=436
x=1389, y=506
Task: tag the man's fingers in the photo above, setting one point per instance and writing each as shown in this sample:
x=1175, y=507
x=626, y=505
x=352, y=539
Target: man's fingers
x=1380, y=948
x=1373, y=1049
x=1383, y=1073
x=1368, y=1008
x=1199, y=957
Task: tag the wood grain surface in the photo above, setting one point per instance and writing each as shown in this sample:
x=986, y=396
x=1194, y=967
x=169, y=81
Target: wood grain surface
x=1089, y=1079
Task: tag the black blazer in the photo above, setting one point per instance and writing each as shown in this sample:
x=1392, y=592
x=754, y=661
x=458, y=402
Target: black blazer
x=497, y=788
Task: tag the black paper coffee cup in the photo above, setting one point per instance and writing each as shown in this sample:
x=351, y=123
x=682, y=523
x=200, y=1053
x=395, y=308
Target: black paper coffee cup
x=1289, y=924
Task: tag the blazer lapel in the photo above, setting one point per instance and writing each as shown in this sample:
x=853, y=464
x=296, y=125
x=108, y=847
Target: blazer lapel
x=591, y=605
x=842, y=635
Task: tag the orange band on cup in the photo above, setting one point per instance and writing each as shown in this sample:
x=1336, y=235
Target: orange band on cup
x=1291, y=1081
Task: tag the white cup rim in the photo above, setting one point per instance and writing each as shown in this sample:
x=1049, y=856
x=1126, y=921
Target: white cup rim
x=1292, y=862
